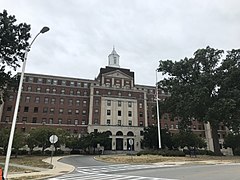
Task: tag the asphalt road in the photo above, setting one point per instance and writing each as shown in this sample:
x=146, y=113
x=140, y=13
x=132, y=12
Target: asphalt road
x=88, y=168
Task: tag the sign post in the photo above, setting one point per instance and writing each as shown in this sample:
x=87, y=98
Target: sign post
x=53, y=139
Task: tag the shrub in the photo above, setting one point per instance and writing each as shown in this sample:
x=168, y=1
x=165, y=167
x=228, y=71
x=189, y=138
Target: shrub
x=163, y=152
x=236, y=152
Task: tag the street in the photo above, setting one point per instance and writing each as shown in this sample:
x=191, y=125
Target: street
x=87, y=168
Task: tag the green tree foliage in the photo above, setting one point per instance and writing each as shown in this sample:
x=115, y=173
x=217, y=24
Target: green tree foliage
x=13, y=43
x=150, y=138
x=188, y=139
x=233, y=141
x=199, y=88
x=91, y=140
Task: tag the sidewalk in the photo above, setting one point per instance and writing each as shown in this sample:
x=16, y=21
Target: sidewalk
x=58, y=169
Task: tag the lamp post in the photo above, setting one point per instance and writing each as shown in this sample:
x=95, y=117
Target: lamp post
x=43, y=30
x=158, y=118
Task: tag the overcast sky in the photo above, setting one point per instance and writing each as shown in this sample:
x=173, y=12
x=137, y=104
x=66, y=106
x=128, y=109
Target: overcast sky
x=83, y=33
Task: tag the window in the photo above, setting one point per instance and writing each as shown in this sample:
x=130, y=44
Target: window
x=7, y=119
x=83, y=122
x=9, y=108
x=77, y=102
x=96, y=111
x=11, y=98
x=62, y=91
x=129, y=104
x=108, y=103
x=30, y=79
x=45, y=110
x=79, y=84
x=95, y=121
x=29, y=88
x=129, y=113
x=108, y=121
x=55, y=82
x=24, y=119
x=119, y=94
x=140, y=105
x=119, y=122
x=84, y=112
x=38, y=89
x=97, y=102
x=46, y=100
x=71, y=92
x=64, y=83
x=108, y=112
x=60, y=111
x=141, y=133
x=72, y=83
x=84, y=103
x=44, y=120
x=69, y=111
x=47, y=90
x=59, y=121
x=97, y=92
x=176, y=126
x=119, y=113
x=49, y=81
x=39, y=80
x=119, y=103
x=35, y=110
x=130, y=123
x=129, y=94
x=50, y=120
x=140, y=114
x=109, y=93
x=54, y=91
x=76, y=121
x=78, y=93
x=77, y=111
x=27, y=99
x=51, y=110
x=37, y=99
x=34, y=120
x=85, y=85
x=53, y=100
x=140, y=123
x=69, y=121
x=85, y=93
x=61, y=101
x=26, y=109
x=70, y=102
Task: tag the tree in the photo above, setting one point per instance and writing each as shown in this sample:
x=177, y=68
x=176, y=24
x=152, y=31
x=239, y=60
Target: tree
x=232, y=141
x=150, y=138
x=199, y=89
x=13, y=43
x=19, y=141
x=188, y=139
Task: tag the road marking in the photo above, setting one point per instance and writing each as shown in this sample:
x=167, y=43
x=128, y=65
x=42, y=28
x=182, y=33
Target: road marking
x=100, y=173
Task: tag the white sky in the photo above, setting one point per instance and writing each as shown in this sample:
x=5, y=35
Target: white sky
x=83, y=32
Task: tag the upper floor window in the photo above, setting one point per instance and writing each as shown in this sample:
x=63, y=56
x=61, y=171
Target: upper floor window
x=85, y=85
x=38, y=89
x=108, y=112
x=71, y=92
x=53, y=100
x=29, y=88
x=64, y=83
x=54, y=90
x=77, y=102
x=37, y=99
x=119, y=103
x=129, y=104
x=79, y=84
x=78, y=92
x=49, y=81
x=55, y=82
x=129, y=113
x=108, y=103
x=30, y=79
x=39, y=80
x=27, y=99
x=63, y=91
x=61, y=101
x=72, y=83
x=140, y=105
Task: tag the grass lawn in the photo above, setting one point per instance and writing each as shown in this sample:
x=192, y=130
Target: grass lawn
x=156, y=159
x=33, y=161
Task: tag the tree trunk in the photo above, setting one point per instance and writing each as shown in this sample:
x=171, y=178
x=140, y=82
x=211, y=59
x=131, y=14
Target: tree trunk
x=215, y=137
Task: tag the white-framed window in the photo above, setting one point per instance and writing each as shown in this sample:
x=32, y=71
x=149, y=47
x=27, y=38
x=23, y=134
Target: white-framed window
x=108, y=103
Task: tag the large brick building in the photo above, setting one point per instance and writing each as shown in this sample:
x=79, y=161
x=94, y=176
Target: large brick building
x=112, y=102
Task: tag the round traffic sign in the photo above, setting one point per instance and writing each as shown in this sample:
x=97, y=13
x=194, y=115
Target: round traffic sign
x=130, y=141
x=53, y=139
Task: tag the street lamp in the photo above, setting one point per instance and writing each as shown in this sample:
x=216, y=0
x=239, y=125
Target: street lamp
x=43, y=30
x=158, y=118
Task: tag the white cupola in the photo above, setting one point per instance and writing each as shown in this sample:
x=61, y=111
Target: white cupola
x=113, y=59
